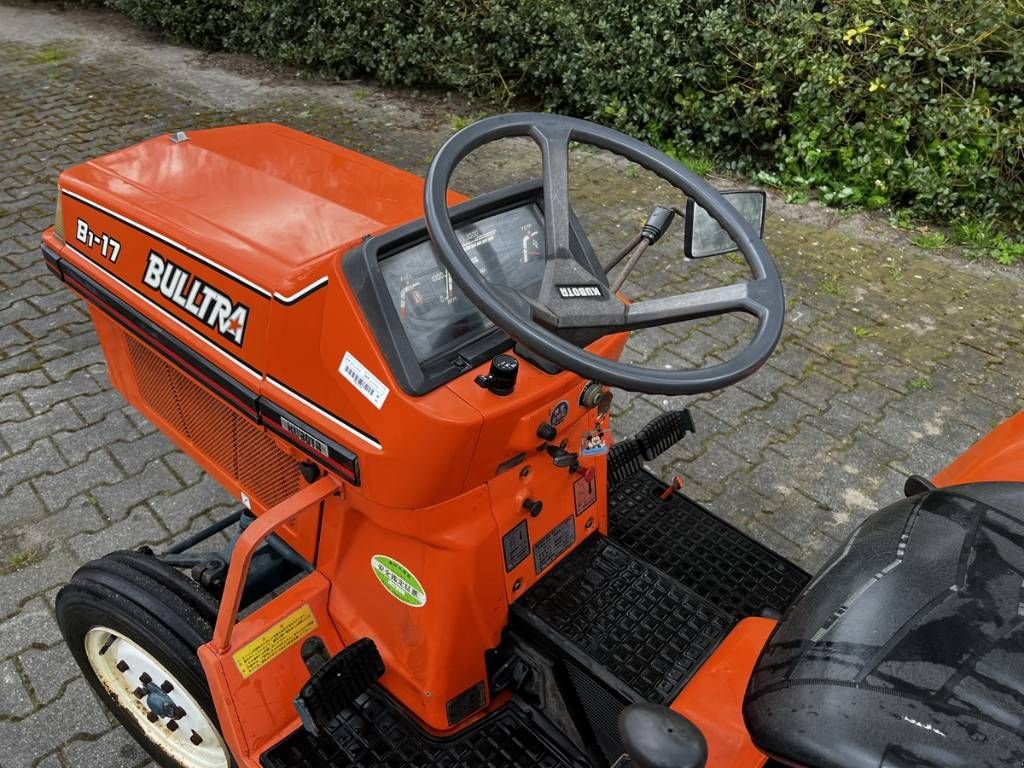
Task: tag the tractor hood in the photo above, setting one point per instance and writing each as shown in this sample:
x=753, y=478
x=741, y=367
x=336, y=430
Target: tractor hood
x=267, y=203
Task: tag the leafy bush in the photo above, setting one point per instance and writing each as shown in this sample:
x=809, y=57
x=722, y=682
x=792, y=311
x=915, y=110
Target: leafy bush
x=910, y=104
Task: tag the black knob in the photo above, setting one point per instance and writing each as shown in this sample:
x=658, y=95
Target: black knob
x=533, y=507
x=546, y=432
x=502, y=377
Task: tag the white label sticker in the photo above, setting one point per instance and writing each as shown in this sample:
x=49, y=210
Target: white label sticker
x=372, y=388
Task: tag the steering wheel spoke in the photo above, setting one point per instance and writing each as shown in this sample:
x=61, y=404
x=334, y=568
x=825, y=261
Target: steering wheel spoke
x=738, y=297
x=553, y=139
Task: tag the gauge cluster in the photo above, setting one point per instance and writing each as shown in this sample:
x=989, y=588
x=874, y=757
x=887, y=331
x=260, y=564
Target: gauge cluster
x=507, y=248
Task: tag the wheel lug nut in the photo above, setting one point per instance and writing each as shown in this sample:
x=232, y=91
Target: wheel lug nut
x=179, y=713
x=139, y=693
x=196, y=739
x=152, y=717
x=122, y=666
x=166, y=686
x=172, y=726
x=145, y=679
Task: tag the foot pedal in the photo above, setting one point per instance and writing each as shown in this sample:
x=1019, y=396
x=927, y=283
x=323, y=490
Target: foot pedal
x=625, y=459
x=337, y=684
x=664, y=431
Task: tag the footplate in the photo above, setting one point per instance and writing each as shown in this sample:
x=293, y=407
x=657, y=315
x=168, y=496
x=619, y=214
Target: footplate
x=699, y=550
x=374, y=733
x=630, y=625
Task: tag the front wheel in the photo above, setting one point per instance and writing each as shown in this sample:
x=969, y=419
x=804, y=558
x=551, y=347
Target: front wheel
x=134, y=626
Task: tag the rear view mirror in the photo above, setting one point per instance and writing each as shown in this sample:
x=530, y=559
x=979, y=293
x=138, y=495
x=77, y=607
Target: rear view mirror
x=705, y=237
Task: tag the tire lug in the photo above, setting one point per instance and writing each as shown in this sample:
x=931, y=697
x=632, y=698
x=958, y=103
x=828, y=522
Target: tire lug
x=166, y=686
x=152, y=717
x=122, y=666
x=140, y=693
x=196, y=739
x=172, y=726
x=179, y=713
x=145, y=679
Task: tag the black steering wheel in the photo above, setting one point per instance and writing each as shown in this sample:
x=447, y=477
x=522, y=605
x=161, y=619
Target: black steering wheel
x=574, y=305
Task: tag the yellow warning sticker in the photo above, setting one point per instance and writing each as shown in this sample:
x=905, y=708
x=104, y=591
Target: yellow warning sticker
x=279, y=638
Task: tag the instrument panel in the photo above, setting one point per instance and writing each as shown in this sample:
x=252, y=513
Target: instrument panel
x=437, y=317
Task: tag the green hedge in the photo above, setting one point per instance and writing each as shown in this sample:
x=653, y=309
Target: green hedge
x=913, y=104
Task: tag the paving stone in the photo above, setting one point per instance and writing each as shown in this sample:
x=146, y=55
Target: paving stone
x=15, y=701
x=57, y=489
x=60, y=417
x=33, y=625
x=139, y=527
x=93, y=408
x=18, y=505
x=151, y=482
x=41, y=398
x=77, y=712
x=115, y=749
x=176, y=510
x=19, y=585
x=49, y=670
x=77, y=444
x=135, y=455
x=40, y=459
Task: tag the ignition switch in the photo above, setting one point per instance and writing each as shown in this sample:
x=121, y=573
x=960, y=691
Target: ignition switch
x=594, y=395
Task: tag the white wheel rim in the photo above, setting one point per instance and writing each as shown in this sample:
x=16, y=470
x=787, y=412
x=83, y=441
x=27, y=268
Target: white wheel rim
x=123, y=668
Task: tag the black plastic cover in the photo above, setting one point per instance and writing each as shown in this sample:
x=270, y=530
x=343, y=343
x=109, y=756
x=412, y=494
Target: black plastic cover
x=907, y=649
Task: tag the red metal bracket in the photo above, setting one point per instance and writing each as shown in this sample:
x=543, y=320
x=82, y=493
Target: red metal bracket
x=247, y=544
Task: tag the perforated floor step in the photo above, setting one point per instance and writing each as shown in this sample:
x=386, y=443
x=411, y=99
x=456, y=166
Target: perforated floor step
x=627, y=623
x=700, y=551
x=376, y=734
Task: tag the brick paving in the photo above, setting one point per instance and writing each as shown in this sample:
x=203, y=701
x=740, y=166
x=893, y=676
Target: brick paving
x=893, y=361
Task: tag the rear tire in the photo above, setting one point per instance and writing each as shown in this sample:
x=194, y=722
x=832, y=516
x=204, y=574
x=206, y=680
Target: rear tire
x=133, y=625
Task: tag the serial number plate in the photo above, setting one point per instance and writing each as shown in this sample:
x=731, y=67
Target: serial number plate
x=553, y=544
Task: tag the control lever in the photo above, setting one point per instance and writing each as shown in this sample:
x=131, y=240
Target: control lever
x=563, y=458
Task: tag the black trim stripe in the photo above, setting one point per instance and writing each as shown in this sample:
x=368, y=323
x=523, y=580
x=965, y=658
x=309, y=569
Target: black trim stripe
x=363, y=435
x=255, y=407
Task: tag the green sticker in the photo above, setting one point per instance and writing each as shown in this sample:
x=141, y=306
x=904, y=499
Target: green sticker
x=399, y=581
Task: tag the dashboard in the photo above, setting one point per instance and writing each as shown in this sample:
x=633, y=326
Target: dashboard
x=426, y=327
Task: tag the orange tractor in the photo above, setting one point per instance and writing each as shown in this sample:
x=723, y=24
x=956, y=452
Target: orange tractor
x=440, y=555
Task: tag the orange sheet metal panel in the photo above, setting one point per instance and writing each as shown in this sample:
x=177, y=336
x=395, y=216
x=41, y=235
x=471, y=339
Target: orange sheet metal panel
x=713, y=699
x=999, y=455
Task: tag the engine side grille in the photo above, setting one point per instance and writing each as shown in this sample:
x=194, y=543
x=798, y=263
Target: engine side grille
x=236, y=445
